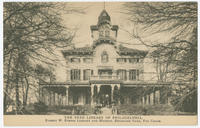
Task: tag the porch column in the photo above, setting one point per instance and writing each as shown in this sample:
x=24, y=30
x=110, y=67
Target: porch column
x=56, y=100
x=92, y=93
x=157, y=95
x=58, y=96
x=46, y=97
x=168, y=100
x=112, y=91
x=143, y=100
x=154, y=97
x=140, y=100
x=98, y=89
x=151, y=99
x=63, y=99
x=42, y=94
x=59, y=101
x=147, y=99
x=50, y=98
x=67, y=95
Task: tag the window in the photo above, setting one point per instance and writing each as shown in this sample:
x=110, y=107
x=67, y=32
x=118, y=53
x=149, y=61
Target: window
x=87, y=73
x=122, y=74
x=100, y=33
x=107, y=32
x=75, y=60
x=104, y=57
x=75, y=74
x=134, y=74
x=121, y=60
x=87, y=60
x=133, y=60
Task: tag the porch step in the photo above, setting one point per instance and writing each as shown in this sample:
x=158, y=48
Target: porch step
x=106, y=111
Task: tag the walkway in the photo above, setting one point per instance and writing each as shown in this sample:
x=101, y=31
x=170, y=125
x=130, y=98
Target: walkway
x=106, y=111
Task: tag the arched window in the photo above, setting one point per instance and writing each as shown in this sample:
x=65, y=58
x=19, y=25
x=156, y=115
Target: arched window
x=104, y=57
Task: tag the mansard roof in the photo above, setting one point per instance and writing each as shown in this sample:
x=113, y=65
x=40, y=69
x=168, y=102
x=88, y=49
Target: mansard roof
x=101, y=40
x=78, y=51
x=130, y=51
x=121, y=50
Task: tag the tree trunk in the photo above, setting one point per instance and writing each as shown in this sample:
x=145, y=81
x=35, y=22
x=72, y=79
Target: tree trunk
x=26, y=93
x=23, y=93
x=5, y=103
x=17, y=86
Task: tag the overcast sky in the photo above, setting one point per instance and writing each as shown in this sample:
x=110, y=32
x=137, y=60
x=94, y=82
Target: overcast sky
x=83, y=21
x=93, y=9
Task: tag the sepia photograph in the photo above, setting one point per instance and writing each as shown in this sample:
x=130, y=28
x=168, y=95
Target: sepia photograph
x=104, y=60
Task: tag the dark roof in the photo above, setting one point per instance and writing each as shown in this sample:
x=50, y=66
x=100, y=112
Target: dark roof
x=89, y=51
x=130, y=51
x=79, y=51
x=101, y=40
x=93, y=27
x=104, y=17
x=115, y=27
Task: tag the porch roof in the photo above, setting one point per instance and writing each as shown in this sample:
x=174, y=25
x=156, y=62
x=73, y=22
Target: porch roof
x=125, y=84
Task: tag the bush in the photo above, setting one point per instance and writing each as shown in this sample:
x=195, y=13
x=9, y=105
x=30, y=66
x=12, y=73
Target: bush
x=40, y=107
x=187, y=102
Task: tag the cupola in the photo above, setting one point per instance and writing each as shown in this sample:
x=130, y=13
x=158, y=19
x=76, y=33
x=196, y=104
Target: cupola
x=104, y=31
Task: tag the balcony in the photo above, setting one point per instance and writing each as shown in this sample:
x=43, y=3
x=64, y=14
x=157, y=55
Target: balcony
x=108, y=77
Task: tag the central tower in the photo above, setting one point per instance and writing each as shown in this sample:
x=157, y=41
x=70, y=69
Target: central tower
x=104, y=31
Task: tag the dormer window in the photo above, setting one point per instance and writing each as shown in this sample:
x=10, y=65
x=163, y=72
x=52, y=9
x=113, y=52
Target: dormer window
x=104, y=57
x=87, y=60
x=75, y=60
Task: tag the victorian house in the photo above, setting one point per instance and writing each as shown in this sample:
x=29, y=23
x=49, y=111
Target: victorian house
x=104, y=73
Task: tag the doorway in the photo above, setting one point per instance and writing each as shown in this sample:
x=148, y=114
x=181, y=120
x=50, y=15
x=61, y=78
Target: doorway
x=105, y=95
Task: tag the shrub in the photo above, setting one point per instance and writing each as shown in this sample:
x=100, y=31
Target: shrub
x=40, y=107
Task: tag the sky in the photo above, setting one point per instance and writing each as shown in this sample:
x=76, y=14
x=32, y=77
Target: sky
x=82, y=23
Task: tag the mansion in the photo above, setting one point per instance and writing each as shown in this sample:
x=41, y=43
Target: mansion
x=104, y=73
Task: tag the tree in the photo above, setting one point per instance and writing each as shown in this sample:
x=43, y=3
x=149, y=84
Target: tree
x=32, y=30
x=176, y=60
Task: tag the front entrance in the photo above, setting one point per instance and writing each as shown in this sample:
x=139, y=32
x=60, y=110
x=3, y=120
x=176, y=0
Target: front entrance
x=105, y=95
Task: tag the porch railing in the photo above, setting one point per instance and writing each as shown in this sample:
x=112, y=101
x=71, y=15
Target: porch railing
x=109, y=77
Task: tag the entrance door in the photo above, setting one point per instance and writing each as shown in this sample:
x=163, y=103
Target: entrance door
x=105, y=95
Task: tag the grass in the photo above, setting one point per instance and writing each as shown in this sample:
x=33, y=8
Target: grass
x=159, y=109
x=130, y=109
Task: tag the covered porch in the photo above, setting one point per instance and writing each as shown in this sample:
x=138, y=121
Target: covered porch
x=106, y=93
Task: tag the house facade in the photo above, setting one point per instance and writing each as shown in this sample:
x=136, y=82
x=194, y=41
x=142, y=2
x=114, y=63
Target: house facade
x=104, y=73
